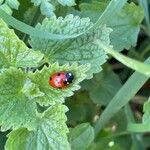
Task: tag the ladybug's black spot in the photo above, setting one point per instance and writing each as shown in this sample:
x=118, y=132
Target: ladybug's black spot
x=58, y=74
x=50, y=78
x=65, y=82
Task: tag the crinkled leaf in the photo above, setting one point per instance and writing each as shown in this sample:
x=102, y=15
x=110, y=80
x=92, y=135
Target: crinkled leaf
x=81, y=49
x=49, y=135
x=54, y=95
x=81, y=136
x=47, y=8
x=16, y=110
x=125, y=25
x=102, y=87
x=13, y=52
x=13, y=3
x=67, y=2
x=36, y=2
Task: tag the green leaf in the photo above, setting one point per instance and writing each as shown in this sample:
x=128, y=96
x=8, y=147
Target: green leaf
x=36, y=2
x=113, y=7
x=67, y=2
x=125, y=24
x=13, y=52
x=101, y=88
x=1, y=1
x=47, y=8
x=16, y=110
x=54, y=95
x=81, y=108
x=81, y=49
x=13, y=3
x=81, y=136
x=49, y=135
x=32, y=31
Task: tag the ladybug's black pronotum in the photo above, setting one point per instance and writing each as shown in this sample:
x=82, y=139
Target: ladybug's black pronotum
x=61, y=79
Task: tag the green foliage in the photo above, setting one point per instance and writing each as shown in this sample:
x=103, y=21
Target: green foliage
x=8, y=5
x=81, y=108
x=49, y=134
x=14, y=4
x=81, y=136
x=16, y=110
x=47, y=7
x=34, y=114
x=125, y=24
x=102, y=87
x=81, y=49
x=18, y=99
x=122, y=97
x=51, y=95
x=143, y=68
x=13, y=52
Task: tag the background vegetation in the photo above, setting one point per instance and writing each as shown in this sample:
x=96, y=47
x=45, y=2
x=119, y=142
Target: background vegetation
x=111, y=110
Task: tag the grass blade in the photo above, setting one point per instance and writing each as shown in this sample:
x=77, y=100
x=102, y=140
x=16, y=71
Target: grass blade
x=123, y=96
x=131, y=63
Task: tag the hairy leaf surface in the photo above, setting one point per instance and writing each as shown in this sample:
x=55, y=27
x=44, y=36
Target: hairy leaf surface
x=81, y=49
x=49, y=135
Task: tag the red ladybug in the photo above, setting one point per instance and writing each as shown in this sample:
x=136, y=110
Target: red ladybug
x=61, y=79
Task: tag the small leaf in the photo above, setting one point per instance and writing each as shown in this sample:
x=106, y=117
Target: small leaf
x=47, y=8
x=36, y=2
x=81, y=136
x=16, y=110
x=31, y=91
x=102, y=87
x=81, y=49
x=1, y=1
x=53, y=95
x=13, y=52
x=13, y=3
x=49, y=135
x=125, y=24
x=67, y=2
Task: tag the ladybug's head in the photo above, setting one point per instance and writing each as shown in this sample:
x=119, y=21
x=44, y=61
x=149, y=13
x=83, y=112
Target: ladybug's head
x=69, y=77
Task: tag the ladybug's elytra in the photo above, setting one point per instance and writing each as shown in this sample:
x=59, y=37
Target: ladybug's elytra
x=61, y=79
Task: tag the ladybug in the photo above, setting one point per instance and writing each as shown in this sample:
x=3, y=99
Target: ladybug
x=61, y=79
